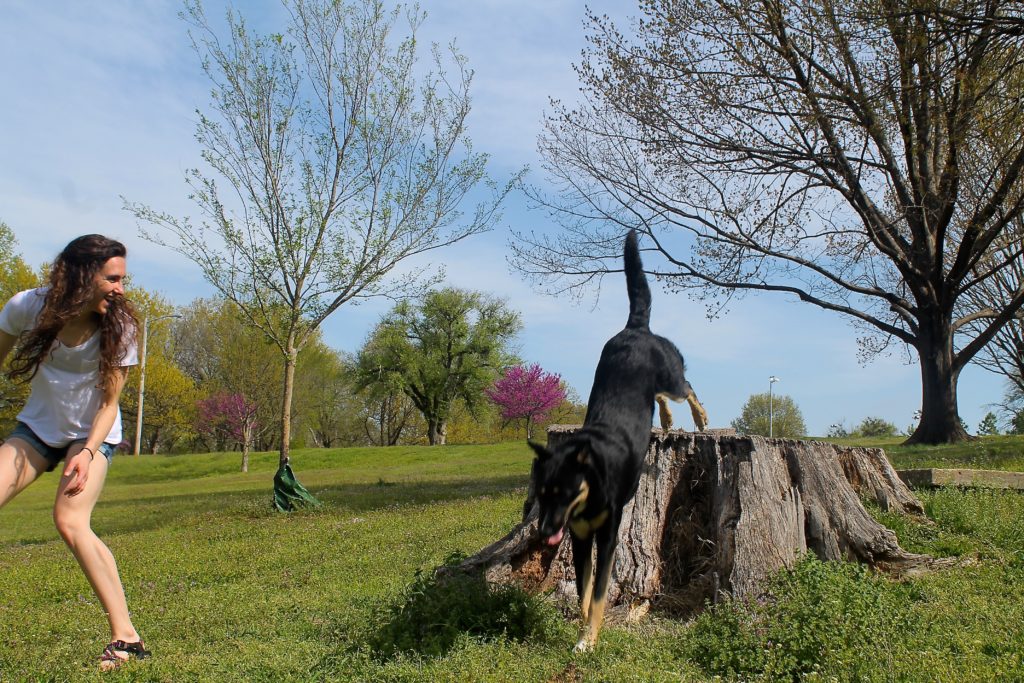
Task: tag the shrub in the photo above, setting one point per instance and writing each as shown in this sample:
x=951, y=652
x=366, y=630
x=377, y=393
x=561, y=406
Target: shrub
x=822, y=618
x=875, y=426
x=437, y=611
x=838, y=430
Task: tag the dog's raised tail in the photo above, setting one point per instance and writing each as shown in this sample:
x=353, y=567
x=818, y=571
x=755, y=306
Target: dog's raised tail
x=636, y=284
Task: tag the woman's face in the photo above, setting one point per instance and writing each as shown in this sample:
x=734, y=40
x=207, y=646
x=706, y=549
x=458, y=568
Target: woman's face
x=109, y=283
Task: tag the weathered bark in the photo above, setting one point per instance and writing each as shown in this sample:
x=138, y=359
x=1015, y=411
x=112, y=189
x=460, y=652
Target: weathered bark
x=722, y=513
x=940, y=421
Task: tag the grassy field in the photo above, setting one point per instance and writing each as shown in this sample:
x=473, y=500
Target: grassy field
x=223, y=589
x=986, y=453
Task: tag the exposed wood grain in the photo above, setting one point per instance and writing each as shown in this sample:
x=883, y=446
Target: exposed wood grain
x=720, y=512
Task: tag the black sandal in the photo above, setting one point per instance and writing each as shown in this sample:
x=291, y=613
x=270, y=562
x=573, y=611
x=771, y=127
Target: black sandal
x=109, y=659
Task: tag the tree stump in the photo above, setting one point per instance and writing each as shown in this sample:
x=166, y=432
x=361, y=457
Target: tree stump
x=718, y=513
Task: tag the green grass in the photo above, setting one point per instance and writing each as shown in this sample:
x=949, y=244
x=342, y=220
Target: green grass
x=224, y=589
x=983, y=453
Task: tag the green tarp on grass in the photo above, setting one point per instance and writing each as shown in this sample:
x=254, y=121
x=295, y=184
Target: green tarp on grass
x=289, y=494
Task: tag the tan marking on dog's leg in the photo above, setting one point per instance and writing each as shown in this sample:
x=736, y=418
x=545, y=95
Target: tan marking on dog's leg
x=588, y=590
x=700, y=416
x=663, y=411
x=592, y=625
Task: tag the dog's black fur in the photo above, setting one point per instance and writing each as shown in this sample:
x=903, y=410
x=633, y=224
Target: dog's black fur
x=587, y=480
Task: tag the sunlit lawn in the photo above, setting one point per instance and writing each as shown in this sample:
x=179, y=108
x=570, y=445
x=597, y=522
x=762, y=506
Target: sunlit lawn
x=984, y=453
x=223, y=589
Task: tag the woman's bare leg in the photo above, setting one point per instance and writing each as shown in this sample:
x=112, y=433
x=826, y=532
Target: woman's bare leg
x=20, y=465
x=73, y=518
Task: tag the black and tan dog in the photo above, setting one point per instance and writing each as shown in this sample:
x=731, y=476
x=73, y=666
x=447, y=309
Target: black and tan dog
x=586, y=481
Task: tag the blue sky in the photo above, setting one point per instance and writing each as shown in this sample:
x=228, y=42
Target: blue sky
x=99, y=102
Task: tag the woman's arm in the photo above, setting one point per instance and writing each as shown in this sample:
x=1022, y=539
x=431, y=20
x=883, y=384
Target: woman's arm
x=101, y=425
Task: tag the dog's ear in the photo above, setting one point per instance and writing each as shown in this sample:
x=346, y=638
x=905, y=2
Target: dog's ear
x=542, y=452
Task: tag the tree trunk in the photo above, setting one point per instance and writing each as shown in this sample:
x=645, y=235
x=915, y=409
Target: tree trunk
x=721, y=513
x=940, y=421
x=245, y=453
x=437, y=432
x=154, y=441
x=286, y=403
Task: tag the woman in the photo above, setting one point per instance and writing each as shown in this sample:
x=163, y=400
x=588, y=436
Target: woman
x=74, y=341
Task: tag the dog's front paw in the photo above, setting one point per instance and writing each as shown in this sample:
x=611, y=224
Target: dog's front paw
x=583, y=645
x=587, y=638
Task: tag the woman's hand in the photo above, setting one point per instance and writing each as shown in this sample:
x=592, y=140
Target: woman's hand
x=79, y=464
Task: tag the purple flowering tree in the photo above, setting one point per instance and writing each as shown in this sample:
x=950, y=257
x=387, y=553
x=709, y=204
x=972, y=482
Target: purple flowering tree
x=229, y=417
x=528, y=394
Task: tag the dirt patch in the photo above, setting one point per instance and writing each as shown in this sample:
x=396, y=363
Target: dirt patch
x=531, y=569
x=570, y=674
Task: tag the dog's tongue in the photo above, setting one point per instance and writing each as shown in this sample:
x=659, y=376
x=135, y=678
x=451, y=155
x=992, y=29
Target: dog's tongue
x=555, y=539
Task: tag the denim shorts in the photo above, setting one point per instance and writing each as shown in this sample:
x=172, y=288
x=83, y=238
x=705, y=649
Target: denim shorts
x=54, y=454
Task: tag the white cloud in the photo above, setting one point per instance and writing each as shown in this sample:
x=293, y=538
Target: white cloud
x=100, y=100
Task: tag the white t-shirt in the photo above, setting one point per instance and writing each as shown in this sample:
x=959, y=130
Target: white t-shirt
x=65, y=396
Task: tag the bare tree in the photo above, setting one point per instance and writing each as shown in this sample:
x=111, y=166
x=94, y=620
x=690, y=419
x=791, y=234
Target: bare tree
x=386, y=414
x=814, y=148
x=1004, y=355
x=341, y=158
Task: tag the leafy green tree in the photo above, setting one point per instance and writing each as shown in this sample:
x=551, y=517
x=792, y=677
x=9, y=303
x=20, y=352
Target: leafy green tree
x=15, y=276
x=777, y=414
x=170, y=397
x=841, y=153
x=448, y=346
x=327, y=406
x=483, y=424
x=1017, y=423
x=335, y=156
x=989, y=425
x=170, y=406
x=1012, y=407
x=874, y=427
x=224, y=354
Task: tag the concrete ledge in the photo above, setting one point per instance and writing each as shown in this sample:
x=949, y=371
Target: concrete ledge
x=967, y=478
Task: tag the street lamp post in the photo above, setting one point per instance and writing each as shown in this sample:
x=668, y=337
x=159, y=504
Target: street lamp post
x=142, y=376
x=771, y=406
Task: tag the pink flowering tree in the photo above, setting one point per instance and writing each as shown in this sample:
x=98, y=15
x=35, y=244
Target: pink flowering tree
x=229, y=417
x=528, y=394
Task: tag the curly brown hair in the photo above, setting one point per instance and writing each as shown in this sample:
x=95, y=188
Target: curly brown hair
x=72, y=280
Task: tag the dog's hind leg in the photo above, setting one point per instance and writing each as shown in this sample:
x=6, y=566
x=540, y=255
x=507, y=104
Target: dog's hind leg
x=700, y=416
x=606, y=542
x=664, y=413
